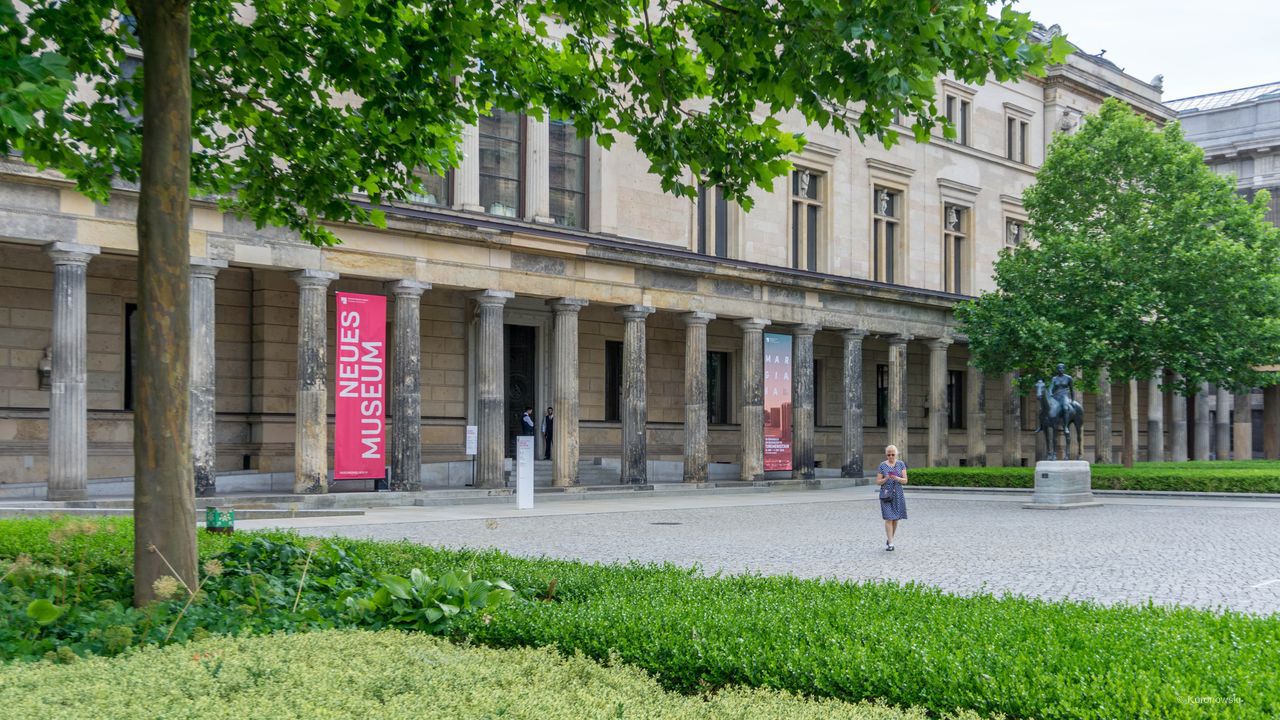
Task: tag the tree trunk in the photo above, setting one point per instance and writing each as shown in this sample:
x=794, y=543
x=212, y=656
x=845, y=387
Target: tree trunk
x=164, y=491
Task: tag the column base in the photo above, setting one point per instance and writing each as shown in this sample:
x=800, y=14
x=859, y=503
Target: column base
x=64, y=495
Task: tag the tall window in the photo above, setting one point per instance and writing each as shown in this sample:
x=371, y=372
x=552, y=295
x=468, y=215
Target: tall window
x=717, y=388
x=958, y=114
x=713, y=221
x=1016, y=139
x=568, y=165
x=502, y=163
x=882, y=396
x=612, y=381
x=806, y=218
x=955, y=399
x=888, y=226
x=955, y=237
x=819, y=367
x=1013, y=232
x=436, y=189
x=130, y=352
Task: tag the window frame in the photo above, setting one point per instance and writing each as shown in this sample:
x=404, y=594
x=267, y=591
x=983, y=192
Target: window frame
x=522, y=143
x=447, y=179
x=957, y=247
x=711, y=222
x=959, y=112
x=807, y=219
x=585, y=192
x=886, y=250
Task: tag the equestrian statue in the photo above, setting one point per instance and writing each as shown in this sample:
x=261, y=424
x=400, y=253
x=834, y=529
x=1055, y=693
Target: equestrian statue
x=1058, y=412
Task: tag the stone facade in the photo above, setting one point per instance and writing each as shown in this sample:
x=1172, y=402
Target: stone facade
x=622, y=308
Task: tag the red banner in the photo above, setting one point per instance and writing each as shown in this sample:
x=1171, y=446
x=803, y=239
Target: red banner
x=359, y=438
x=777, y=402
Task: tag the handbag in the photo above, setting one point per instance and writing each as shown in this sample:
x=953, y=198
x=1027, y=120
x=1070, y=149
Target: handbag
x=886, y=493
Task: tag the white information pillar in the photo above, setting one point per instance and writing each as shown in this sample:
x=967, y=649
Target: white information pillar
x=524, y=472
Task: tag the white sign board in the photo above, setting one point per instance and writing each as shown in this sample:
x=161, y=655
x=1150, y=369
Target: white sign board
x=473, y=439
x=524, y=472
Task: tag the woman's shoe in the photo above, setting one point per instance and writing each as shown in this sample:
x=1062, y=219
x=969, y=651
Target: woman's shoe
x=889, y=548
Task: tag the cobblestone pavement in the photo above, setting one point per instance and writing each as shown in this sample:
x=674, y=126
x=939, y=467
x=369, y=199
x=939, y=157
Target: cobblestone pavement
x=1214, y=555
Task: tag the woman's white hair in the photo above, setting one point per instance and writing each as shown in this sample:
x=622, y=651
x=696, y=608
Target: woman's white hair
x=894, y=448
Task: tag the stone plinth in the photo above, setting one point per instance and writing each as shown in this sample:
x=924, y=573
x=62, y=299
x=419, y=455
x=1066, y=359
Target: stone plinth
x=1062, y=485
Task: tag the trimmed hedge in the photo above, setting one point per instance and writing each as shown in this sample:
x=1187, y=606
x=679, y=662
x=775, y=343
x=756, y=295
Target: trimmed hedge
x=1242, y=477
x=385, y=675
x=908, y=645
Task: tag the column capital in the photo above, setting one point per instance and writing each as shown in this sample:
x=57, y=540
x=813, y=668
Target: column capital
x=407, y=288
x=900, y=339
x=492, y=298
x=65, y=253
x=805, y=330
x=752, y=324
x=855, y=334
x=313, y=278
x=206, y=267
x=697, y=318
x=940, y=344
x=566, y=305
x=635, y=312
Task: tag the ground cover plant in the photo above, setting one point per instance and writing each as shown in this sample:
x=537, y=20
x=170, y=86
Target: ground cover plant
x=389, y=675
x=907, y=645
x=1244, y=477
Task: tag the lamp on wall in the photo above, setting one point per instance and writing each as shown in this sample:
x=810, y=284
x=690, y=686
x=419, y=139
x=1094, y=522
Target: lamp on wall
x=44, y=369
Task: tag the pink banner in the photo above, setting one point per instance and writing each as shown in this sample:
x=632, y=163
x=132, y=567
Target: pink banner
x=777, y=402
x=359, y=438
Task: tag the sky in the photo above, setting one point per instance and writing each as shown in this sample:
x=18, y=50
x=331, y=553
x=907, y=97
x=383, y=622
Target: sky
x=1200, y=46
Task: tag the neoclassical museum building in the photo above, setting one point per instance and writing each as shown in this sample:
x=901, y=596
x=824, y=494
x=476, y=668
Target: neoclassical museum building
x=548, y=272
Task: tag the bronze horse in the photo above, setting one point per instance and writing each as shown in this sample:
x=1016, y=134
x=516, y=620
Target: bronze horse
x=1054, y=419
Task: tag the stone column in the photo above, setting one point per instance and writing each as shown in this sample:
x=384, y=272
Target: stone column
x=1177, y=424
x=1011, y=427
x=564, y=449
x=490, y=372
x=1222, y=424
x=635, y=403
x=1271, y=422
x=1242, y=427
x=1155, y=418
x=938, y=406
x=311, y=414
x=695, y=396
x=1102, y=425
x=802, y=429
x=406, y=386
x=897, y=415
x=752, y=397
x=1204, y=424
x=204, y=420
x=1130, y=446
x=68, y=398
x=976, y=396
x=852, y=431
x=467, y=191
x=537, y=188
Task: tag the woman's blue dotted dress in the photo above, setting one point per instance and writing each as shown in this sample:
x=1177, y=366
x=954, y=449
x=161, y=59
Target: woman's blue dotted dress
x=896, y=510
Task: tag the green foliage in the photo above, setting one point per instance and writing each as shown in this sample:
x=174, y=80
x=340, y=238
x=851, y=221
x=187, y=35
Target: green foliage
x=298, y=101
x=421, y=603
x=387, y=675
x=1218, y=477
x=1143, y=259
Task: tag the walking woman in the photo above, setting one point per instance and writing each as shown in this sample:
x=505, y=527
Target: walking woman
x=891, y=476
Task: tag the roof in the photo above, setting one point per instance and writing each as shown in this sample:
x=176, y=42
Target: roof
x=1225, y=98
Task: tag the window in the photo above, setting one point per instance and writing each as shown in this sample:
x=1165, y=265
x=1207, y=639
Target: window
x=806, y=218
x=568, y=181
x=955, y=236
x=612, y=381
x=502, y=163
x=713, y=221
x=718, y=388
x=958, y=114
x=888, y=226
x=130, y=352
x=436, y=189
x=1013, y=229
x=818, y=368
x=1016, y=139
x=882, y=396
x=955, y=399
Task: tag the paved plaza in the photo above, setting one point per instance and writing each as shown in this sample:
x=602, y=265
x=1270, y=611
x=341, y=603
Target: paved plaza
x=1208, y=553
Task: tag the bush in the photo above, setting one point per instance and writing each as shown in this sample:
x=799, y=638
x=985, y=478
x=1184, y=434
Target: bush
x=1243, y=477
x=387, y=675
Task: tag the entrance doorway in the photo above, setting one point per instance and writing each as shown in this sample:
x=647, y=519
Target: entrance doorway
x=521, y=382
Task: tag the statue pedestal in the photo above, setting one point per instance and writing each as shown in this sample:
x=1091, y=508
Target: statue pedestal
x=1062, y=485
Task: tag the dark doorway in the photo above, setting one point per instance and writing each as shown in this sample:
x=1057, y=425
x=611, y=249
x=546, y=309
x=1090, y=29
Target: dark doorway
x=521, y=384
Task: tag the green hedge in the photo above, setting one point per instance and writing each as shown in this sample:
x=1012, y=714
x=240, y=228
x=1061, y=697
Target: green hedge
x=385, y=675
x=1243, y=477
x=908, y=645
